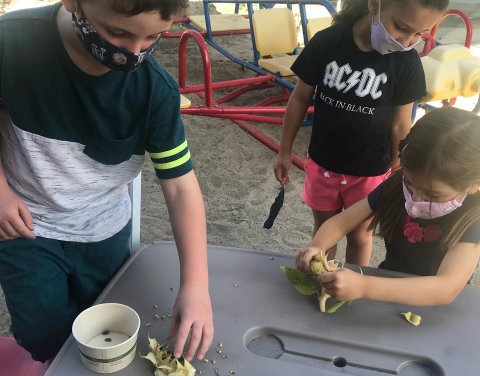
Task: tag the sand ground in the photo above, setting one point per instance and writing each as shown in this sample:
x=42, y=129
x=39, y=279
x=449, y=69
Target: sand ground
x=235, y=170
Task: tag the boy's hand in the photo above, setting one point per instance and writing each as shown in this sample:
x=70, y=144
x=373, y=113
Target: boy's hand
x=281, y=166
x=192, y=314
x=343, y=284
x=15, y=218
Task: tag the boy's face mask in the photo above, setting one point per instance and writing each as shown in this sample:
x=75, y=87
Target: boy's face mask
x=111, y=56
x=427, y=209
x=382, y=41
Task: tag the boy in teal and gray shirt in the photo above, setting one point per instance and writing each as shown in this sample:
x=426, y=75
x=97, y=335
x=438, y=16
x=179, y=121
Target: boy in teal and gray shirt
x=83, y=99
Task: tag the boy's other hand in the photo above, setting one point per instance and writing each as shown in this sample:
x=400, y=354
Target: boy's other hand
x=192, y=314
x=15, y=218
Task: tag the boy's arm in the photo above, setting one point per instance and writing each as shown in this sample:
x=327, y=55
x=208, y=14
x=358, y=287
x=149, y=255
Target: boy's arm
x=401, y=124
x=331, y=231
x=294, y=114
x=15, y=218
x=454, y=272
x=192, y=311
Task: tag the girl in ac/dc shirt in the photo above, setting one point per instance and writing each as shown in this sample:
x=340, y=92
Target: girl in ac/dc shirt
x=365, y=75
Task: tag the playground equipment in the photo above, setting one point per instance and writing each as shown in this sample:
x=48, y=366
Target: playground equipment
x=275, y=33
x=267, y=25
x=451, y=71
x=446, y=75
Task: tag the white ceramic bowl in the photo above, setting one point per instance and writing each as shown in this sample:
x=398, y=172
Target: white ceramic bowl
x=106, y=335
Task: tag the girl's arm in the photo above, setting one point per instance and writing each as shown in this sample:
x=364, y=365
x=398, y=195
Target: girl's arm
x=454, y=272
x=332, y=231
x=294, y=114
x=401, y=124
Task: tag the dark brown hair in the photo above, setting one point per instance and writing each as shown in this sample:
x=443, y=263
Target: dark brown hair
x=353, y=10
x=166, y=8
x=442, y=145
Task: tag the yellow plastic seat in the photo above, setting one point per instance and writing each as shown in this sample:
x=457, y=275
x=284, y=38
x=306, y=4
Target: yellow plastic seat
x=275, y=34
x=451, y=71
x=279, y=64
x=221, y=22
x=184, y=102
x=315, y=25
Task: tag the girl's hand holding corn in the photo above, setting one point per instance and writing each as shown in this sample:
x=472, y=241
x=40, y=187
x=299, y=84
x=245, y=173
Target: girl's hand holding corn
x=343, y=284
x=307, y=255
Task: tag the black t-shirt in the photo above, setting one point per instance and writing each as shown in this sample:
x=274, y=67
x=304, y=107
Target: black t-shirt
x=355, y=95
x=416, y=247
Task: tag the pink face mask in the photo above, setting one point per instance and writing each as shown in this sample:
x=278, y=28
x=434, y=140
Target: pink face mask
x=428, y=209
x=382, y=42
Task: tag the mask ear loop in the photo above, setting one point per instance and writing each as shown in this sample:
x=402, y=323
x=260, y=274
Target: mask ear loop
x=401, y=147
x=376, y=17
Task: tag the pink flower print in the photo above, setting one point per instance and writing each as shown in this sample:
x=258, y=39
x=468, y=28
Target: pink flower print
x=413, y=232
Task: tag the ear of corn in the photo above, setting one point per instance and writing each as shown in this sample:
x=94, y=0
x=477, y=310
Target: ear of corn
x=335, y=306
x=306, y=286
x=300, y=281
x=165, y=363
x=317, y=266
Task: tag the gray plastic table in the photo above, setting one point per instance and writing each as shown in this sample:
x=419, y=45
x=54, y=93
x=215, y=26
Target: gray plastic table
x=267, y=328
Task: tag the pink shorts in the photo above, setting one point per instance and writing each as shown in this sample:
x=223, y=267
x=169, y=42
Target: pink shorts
x=329, y=191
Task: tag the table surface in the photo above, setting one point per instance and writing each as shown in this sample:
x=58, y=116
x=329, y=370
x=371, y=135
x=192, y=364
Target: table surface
x=267, y=328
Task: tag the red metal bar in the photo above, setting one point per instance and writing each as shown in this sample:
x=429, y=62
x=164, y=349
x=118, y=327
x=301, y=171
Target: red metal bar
x=174, y=34
x=268, y=141
x=466, y=20
x=182, y=63
x=246, y=117
x=430, y=43
x=277, y=99
x=196, y=110
x=226, y=84
x=236, y=93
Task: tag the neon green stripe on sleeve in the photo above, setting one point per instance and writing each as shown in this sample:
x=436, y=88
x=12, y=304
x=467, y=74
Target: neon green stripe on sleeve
x=169, y=153
x=172, y=164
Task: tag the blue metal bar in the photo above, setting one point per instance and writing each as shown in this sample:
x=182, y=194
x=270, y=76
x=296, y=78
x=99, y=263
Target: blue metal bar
x=303, y=20
x=414, y=111
x=256, y=55
x=208, y=24
x=476, y=109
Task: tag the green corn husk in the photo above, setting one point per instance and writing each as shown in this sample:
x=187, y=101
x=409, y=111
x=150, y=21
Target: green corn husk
x=306, y=286
x=412, y=318
x=302, y=283
x=165, y=363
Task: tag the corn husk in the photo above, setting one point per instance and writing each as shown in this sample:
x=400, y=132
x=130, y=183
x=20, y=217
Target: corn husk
x=412, y=318
x=306, y=286
x=165, y=363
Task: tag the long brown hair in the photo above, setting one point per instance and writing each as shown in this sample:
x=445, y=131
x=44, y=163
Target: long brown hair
x=443, y=145
x=353, y=10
